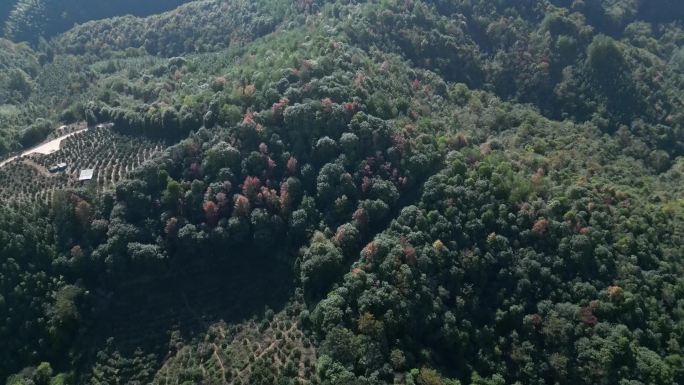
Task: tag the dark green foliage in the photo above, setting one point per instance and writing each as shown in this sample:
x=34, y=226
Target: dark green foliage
x=447, y=192
x=322, y=263
x=549, y=278
x=5, y=9
x=34, y=133
x=30, y=20
x=606, y=62
x=184, y=30
x=27, y=250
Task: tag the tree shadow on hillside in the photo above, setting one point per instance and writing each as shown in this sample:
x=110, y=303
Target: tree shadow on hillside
x=142, y=314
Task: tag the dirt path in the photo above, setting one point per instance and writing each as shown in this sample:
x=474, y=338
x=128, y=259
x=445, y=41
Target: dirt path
x=45, y=148
x=41, y=170
x=219, y=360
x=270, y=347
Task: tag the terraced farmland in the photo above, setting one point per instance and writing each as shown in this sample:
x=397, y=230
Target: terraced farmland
x=112, y=156
x=195, y=315
x=252, y=352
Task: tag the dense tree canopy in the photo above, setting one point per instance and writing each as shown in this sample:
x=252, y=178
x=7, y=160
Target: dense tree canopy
x=344, y=192
x=31, y=20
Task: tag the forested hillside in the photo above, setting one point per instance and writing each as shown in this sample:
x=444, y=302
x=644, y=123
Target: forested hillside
x=335, y=192
x=31, y=20
x=5, y=9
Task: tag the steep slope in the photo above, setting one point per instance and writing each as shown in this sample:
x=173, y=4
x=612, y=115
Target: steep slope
x=19, y=66
x=199, y=26
x=31, y=20
x=58, y=89
x=398, y=171
x=5, y=9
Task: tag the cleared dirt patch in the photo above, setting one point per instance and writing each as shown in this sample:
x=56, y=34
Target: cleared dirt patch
x=43, y=149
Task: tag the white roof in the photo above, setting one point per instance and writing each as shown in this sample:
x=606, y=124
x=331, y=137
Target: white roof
x=86, y=174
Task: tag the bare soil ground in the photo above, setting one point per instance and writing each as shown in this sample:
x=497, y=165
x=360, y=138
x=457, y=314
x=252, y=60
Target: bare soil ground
x=44, y=149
